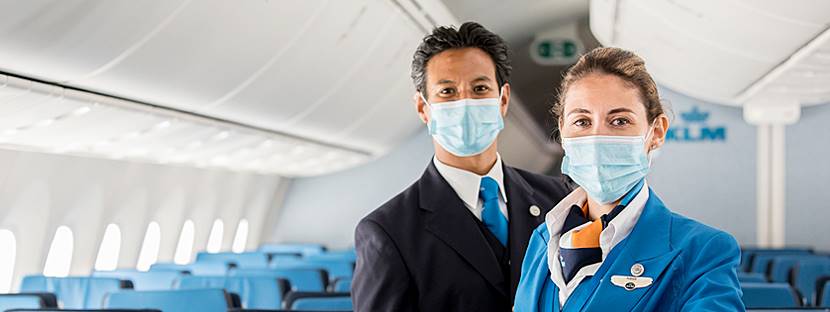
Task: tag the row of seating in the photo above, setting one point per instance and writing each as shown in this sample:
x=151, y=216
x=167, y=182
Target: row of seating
x=205, y=300
x=293, y=277
x=785, y=277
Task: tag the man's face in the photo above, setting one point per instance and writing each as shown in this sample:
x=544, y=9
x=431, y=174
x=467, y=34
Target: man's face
x=458, y=74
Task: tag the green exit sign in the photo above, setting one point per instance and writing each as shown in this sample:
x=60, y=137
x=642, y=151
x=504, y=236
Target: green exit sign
x=555, y=51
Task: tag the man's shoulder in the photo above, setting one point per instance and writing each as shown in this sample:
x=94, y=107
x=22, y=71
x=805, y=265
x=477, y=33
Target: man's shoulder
x=396, y=209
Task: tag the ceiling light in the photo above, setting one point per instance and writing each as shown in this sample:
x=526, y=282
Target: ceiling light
x=162, y=125
x=81, y=111
x=221, y=136
x=44, y=123
x=266, y=144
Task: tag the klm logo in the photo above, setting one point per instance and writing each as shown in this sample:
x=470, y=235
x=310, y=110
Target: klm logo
x=695, y=128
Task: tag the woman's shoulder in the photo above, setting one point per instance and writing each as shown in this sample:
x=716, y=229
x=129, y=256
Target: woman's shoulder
x=693, y=236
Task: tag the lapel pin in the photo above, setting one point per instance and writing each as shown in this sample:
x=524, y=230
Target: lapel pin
x=535, y=211
x=631, y=282
x=637, y=269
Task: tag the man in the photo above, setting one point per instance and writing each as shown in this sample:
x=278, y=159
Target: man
x=454, y=240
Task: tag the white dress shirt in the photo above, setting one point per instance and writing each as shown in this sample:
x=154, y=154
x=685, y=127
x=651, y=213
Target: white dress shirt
x=616, y=231
x=467, y=185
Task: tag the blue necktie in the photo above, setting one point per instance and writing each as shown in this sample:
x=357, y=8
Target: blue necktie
x=492, y=217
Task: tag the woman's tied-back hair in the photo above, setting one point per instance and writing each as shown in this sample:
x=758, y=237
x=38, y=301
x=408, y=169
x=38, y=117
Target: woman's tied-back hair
x=612, y=61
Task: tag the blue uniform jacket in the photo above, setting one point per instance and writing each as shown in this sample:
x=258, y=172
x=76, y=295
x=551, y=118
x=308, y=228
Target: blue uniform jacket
x=693, y=267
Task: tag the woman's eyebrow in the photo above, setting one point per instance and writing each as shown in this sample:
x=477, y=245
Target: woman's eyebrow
x=579, y=111
x=620, y=110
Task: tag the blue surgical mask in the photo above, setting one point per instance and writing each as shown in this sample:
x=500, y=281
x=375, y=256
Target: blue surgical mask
x=465, y=127
x=606, y=167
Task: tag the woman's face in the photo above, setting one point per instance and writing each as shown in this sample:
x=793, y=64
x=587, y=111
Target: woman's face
x=603, y=104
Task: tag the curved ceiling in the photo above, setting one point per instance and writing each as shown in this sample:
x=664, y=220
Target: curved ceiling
x=331, y=74
x=725, y=51
x=331, y=71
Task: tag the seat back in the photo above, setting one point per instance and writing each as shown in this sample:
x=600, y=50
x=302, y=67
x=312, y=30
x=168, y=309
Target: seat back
x=24, y=301
x=299, y=279
x=84, y=310
x=202, y=300
x=318, y=301
x=151, y=280
x=769, y=295
x=79, y=310
x=761, y=259
x=75, y=292
x=748, y=254
x=303, y=249
x=255, y=292
x=341, y=285
x=779, y=266
x=252, y=260
x=806, y=272
x=196, y=268
x=823, y=292
x=335, y=268
x=342, y=255
x=750, y=277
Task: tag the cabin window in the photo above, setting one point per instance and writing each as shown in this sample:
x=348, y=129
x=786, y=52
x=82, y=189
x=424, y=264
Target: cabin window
x=217, y=233
x=184, y=248
x=240, y=239
x=8, y=244
x=149, y=253
x=109, y=250
x=59, y=258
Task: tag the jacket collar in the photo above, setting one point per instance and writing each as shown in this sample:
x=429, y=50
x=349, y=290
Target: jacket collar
x=649, y=245
x=455, y=225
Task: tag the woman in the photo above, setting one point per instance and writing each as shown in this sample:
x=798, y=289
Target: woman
x=612, y=245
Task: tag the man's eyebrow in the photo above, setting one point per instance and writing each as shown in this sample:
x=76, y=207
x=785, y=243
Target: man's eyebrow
x=445, y=81
x=481, y=78
x=579, y=110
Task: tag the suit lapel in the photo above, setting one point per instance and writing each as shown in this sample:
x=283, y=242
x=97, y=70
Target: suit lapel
x=522, y=223
x=648, y=244
x=453, y=224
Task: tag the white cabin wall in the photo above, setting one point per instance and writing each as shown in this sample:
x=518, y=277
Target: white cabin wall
x=39, y=192
x=808, y=179
x=710, y=181
x=326, y=209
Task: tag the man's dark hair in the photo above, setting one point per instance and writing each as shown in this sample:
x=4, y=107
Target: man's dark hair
x=469, y=35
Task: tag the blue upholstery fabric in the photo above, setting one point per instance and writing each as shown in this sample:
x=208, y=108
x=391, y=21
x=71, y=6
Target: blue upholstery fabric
x=243, y=260
x=199, y=268
x=342, y=255
x=256, y=292
x=82, y=310
x=761, y=259
x=318, y=301
x=823, y=298
x=334, y=267
x=769, y=295
x=152, y=280
x=747, y=277
x=780, y=266
x=342, y=285
x=747, y=254
x=20, y=301
x=806, y=273
x=202, y=300
x=300, y=279
x=74, y=292
x=303, y=249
